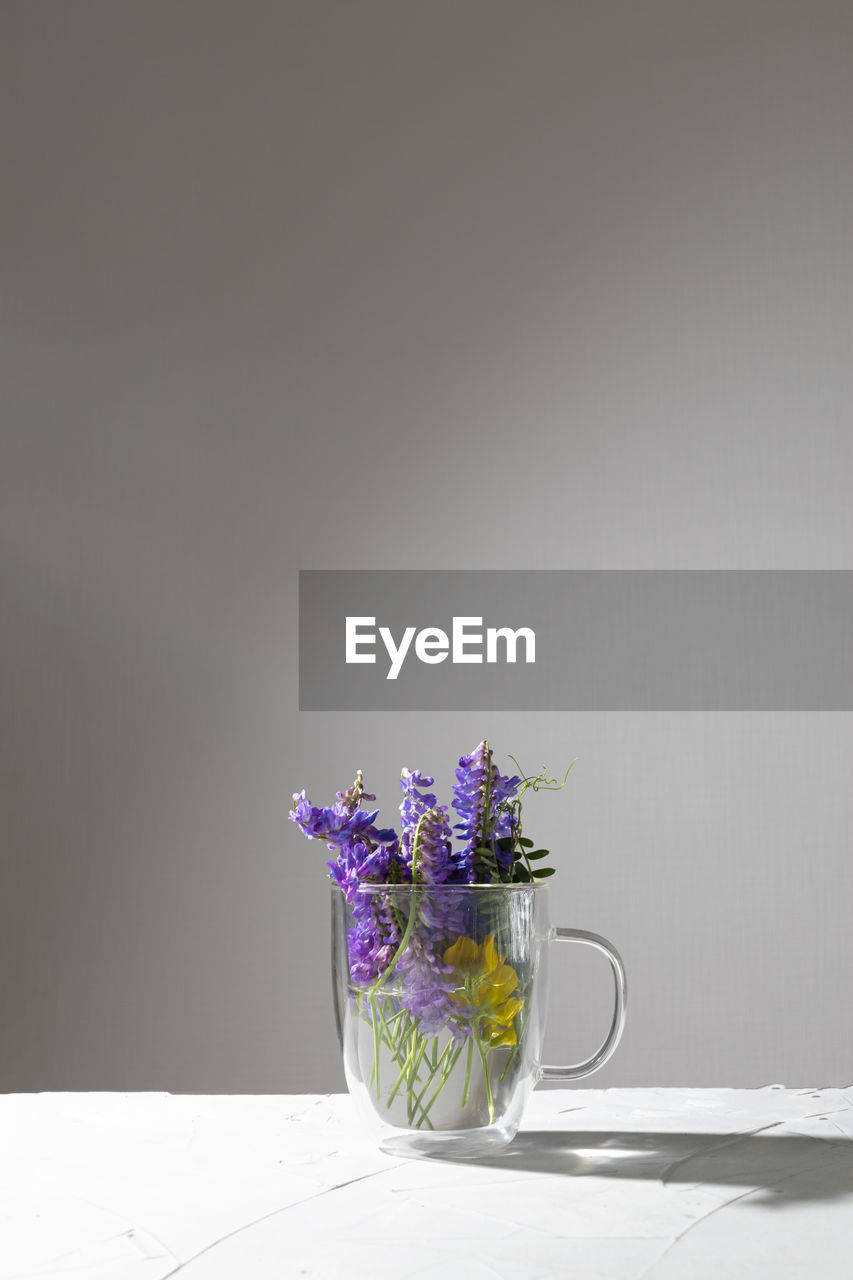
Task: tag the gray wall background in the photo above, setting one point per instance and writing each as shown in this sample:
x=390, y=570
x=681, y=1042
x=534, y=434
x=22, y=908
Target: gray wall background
x=467, y=284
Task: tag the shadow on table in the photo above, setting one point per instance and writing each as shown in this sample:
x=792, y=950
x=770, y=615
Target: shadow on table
x=785, y=1168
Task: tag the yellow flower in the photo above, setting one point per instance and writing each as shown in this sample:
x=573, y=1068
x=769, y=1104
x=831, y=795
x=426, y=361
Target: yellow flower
x=500, y=1022
x=464, y=955
x=486, y=984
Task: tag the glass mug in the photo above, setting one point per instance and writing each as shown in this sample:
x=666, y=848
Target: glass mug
x=440, y=1000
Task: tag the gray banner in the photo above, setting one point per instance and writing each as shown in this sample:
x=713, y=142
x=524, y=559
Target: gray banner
x=617, y=640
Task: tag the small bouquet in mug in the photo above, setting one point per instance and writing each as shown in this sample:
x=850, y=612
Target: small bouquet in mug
x=438, y=960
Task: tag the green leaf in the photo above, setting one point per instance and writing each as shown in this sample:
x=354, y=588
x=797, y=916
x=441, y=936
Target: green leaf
x=536, y=854
x=527, y=844
x=541, y=872
x=522, y=873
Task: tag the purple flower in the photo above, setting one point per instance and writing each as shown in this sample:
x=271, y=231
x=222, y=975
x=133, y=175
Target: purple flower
x=469, y=801
x=337, y=824
x=433, y=857
x=426, y=980
x=364, y=863
x=365, y=853
x=427, y=986
x=415, y=803
x=479, y=798
x=503, y=790
x=351, y=798
x=373, y=938
x=421, y=981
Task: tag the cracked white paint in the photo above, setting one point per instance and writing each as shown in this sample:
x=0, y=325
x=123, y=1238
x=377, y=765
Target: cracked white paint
x=621, y=1184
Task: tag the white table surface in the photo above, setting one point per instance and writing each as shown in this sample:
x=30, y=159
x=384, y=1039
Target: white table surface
x=610, y=1184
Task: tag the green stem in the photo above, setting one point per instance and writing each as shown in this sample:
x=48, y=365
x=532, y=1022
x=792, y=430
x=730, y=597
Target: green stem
x=468, y=1071
x=407, y=1039
x=487, y=797
x=375, y=1020
x=387, y=1023
x=488, y=1083
x=410, y=924
x=509, y=1062
x=393, y=1046
x=409, y=1064
x=411, y=1101
x=445, y=1076
x=432, y=1076
x=395, y=1017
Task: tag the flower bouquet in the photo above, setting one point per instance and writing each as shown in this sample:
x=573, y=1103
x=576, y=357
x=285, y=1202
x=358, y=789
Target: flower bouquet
x=436, y=932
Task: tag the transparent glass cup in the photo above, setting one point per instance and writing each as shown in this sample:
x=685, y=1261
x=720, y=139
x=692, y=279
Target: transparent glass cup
x=440, y=999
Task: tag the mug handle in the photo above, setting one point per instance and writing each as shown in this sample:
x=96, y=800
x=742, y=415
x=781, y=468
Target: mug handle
x=613, y=1037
